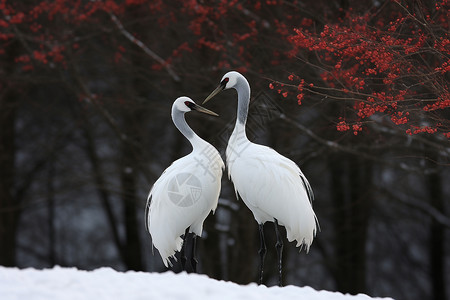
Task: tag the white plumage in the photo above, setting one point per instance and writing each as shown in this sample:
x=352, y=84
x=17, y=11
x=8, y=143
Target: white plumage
x=186, y=191
x=271, y=185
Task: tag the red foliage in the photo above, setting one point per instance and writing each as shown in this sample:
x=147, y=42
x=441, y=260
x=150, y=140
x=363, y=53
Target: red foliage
x=390, y=66
x=342, y=126
x=390, y=61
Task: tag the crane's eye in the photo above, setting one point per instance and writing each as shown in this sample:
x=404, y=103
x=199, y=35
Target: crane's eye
x=225, y=81
x=189, y=104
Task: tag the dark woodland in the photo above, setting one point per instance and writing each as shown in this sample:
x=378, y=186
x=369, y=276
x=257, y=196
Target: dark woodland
x=355, y=92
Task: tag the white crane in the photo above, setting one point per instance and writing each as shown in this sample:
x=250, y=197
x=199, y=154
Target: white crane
x=272, y=186
x=185, y=193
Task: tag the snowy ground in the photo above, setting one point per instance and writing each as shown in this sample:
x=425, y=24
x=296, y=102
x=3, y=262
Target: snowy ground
x=106, y=283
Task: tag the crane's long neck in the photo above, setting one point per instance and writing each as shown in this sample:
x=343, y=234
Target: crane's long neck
x=243, y=90
x=183, y=127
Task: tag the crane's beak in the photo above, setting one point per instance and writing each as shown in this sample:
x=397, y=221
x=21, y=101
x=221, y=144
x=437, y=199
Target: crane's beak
x=203, y=110
x=218, y=89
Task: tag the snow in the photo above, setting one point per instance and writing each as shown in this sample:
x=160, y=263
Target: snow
x=106, y=283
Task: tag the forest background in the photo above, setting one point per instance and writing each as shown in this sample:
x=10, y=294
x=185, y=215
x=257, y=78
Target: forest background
x=355, y=92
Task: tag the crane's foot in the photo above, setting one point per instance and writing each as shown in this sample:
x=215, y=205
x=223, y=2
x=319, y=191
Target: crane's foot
x=194, y=261
x=262, y=253
x=279, y=247
x=183, y=257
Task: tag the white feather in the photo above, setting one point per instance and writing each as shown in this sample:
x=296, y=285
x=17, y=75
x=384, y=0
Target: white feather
x=183, y=196
x=271, y=185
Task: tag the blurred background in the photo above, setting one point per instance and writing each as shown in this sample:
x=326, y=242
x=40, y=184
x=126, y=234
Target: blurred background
x=85, y=130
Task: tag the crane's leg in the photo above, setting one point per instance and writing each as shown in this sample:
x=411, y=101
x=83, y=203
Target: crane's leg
x=194, y=260
x=279, y=247
x=261, y=252
x=183, y=250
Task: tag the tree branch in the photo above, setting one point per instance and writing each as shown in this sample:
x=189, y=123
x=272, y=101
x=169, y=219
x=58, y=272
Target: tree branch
x=423, y=207
x=147, y=50
x=338, y=147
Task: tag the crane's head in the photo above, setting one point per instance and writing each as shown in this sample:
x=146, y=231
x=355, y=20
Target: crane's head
x=228, y=81
x=186, y=104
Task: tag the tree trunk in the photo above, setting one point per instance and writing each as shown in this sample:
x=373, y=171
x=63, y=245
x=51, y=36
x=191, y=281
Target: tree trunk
x=9, y=207
x=102, y=189
x=51, y=214
x=132, y=247
x=352, y=201
x=437, y=239
x=244, y=250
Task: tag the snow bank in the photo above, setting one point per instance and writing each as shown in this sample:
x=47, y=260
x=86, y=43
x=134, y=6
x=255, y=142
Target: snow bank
x=105, y=283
